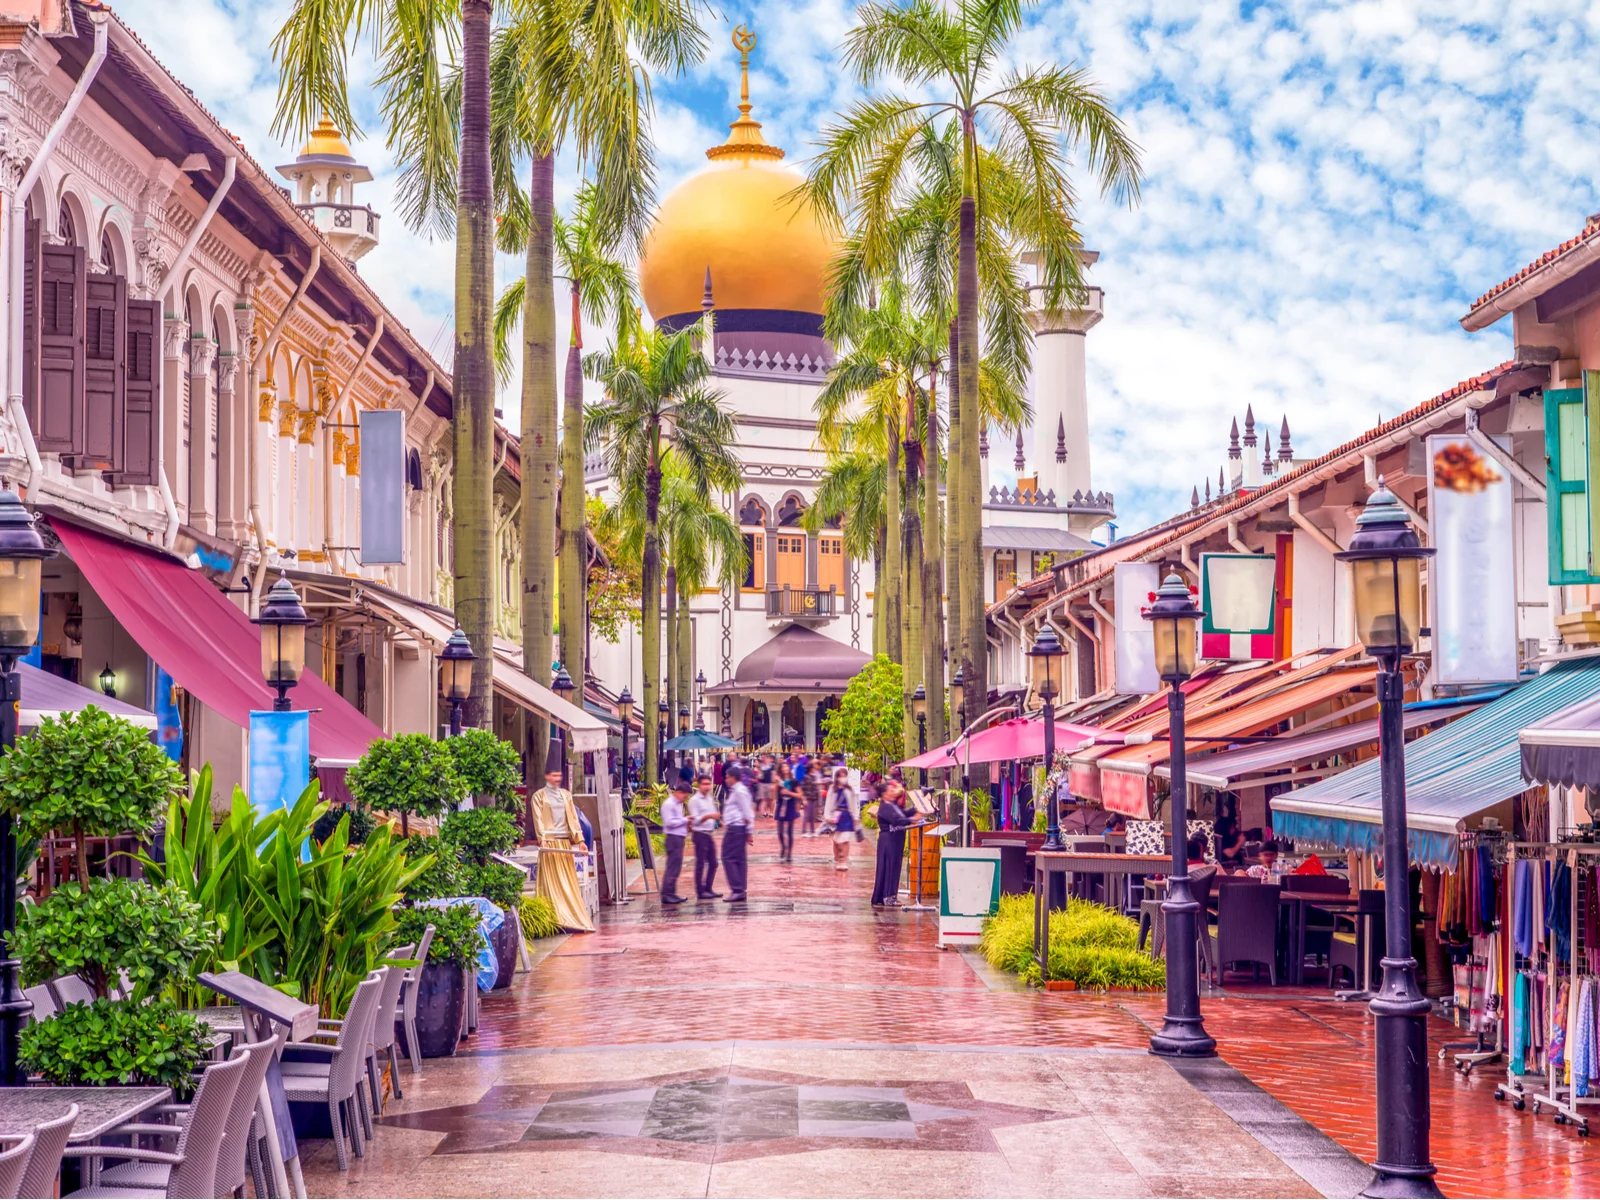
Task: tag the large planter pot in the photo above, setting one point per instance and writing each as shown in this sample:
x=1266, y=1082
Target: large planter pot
x=440, y=995
x=504, y=941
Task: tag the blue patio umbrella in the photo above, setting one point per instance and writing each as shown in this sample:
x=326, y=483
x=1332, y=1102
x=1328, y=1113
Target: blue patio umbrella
x=700, y=739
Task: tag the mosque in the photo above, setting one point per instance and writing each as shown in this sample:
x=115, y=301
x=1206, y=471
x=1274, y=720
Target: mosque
x=778, y=651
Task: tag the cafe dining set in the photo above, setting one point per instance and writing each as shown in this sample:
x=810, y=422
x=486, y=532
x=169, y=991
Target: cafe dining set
x=270, y=1051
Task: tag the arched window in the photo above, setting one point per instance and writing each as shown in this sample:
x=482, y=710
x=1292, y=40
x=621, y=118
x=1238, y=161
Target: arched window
x=66, y=230
x=108, y=259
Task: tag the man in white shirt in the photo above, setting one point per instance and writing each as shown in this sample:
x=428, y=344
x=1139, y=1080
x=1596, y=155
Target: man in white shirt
x=675, y=824
x=738, y=819
x=702, y=820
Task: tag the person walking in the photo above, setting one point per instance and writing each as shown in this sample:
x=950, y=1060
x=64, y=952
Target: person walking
x=811, y=797
x=738, y=819
x=843, y=812
x=675, y=824
x=893, y=821
x=702, y=820
x=786, y=812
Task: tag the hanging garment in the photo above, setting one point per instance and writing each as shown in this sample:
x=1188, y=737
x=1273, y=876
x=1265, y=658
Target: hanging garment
x=1582, y=1041
x=1558, y=1027
x=1558, y=910
x=1484, y=921
x=1519, y=1025
x=1523, y=917
x=1591, y=916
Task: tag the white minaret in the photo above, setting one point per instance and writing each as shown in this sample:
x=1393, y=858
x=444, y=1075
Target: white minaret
x=1060, y=390
x=325, y=175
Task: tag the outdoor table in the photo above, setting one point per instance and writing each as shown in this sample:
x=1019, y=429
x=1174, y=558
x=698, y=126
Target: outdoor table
x=1297, y=903
x=1050, y=862
x=100, y=1109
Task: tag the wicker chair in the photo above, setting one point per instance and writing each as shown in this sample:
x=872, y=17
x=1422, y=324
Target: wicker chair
x=49, y=1141
x=13, y=1165
x=1246, y=930
x=408, y=1000
x=339, y=1081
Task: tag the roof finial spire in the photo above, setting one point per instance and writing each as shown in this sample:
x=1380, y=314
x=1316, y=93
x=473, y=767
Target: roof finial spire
x=1285, y=451
x=1061, y=439
x=1249, y=425
x=1266, y=457
x=1233, y=440
x=1194, y=498
x=1019, y=462
x=983, y=442
x=705, y=301
x=1222, y=482
x=1208, y=490
x=744, y=137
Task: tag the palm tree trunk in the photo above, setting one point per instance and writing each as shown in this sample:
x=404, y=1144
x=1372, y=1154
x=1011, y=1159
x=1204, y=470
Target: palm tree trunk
x=670, y=679
x=888, y=590
x=932, y=572
x=970, y=554
x=574, y=575
x=685, y=653
x=538, y=448
x=880, y=643
x=955, y=480
x=650, y=619
x=474, y=384
x=911, y=583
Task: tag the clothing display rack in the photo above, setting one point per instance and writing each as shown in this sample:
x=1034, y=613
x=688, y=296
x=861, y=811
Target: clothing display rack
x=1525, y=967
x=1477, y=1006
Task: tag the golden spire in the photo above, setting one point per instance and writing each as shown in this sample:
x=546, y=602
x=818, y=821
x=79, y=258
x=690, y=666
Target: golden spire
x=744, y=138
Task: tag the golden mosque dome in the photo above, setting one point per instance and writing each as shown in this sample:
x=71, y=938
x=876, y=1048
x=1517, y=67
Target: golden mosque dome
x=738, y=219
x=326, y=142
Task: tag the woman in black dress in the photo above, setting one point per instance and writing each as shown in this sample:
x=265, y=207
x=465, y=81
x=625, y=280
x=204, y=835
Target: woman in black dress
x=893, y=820
x=787, y=811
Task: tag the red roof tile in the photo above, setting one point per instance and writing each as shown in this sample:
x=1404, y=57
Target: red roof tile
x=1538, y=264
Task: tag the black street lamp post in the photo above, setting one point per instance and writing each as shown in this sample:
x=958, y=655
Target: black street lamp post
x=625, y=711
x=455, y=676
x=283, y=624
x=958, y=691
x=1183, y=1034
x=562, y=686
x=108, y=681
x=700, y=700
x=1046, y=656
x=663, y=710
x=919, y=709
x=1385, y=558
x=22, y=554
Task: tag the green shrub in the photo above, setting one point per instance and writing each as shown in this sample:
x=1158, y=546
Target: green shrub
x=498, y=883
x=487, y=765
x=441, y=878
x=112, y=1042
x=980, y=807
x=869, y=816
x=410, y=774
x=630, y=841
x=538, y=918
x=1090, y=944
x=455, y=932
x=152, y=933
x=1041, y=819
x=88, y=772
x=476, y=833
x=360, y=827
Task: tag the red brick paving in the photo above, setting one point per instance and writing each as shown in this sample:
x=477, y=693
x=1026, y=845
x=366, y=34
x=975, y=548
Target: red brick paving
x=828, y=971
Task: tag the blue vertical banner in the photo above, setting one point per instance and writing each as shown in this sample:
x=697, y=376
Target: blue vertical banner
x=280, y=758
x=169, y=726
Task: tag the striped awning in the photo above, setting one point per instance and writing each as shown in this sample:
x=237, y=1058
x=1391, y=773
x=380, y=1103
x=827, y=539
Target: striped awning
x=1451, y=775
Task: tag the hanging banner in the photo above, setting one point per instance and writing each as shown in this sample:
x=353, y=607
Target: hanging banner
x=1136, y=644
x=280, y=758
x=383, y=486
x=1472, y=578
x=1239, y=594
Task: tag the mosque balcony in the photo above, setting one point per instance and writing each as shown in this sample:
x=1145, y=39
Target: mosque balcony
x=1071, y=320
x=355, y=223
x=803, y=604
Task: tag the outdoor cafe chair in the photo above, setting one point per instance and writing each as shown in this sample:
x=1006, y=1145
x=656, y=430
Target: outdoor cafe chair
x=384, y=1038
x=191, y=1165
x=1246, y=930
x=43, y=1000
x=71, y=989
x=338, y=1082
x=44, y=1164
x=1349, y=947
x=408, y=1000
x=384, y=1011
x=14, y=1164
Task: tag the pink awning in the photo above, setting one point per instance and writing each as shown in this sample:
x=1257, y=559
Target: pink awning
x=208, y=646
x=1008, y=741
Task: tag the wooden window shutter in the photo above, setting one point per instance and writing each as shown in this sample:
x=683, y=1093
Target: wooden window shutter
x=32, y=239
x=105, y=350
x=141, y=417
x=1567, y=444
x=58, y=423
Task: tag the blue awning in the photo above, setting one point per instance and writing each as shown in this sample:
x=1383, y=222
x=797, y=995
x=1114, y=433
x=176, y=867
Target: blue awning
x=1451, y=775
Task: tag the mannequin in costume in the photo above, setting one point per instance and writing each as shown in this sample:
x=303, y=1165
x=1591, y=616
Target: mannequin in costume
x=555, y=819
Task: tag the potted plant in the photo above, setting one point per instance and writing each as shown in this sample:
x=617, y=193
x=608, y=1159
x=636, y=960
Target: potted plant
x=410, y=774
x=444, y=978
x=475, y=835
x=490, y=769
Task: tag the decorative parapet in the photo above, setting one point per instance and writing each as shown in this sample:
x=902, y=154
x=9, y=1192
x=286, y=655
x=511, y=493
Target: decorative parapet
x=758, y=364
x=1031, y=501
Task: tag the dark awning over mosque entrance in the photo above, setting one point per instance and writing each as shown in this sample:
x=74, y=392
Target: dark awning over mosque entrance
x=796, y=659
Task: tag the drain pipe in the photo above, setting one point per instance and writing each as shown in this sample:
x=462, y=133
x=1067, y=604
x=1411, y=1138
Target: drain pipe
x=19, y=220
x=1489, y=446
x=268, y=344
x=1315, y=533
x=327, y=434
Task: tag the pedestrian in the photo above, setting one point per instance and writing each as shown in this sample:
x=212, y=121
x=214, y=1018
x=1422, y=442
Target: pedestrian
x=787, y=810
x=843, y=812
x=811, y=797
x=767, y=787
x=675, y=824
x=738, y=818
x=893, y=820
x=702, y=820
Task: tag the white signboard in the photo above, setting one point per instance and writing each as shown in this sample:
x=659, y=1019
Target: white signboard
x=383, y=486
x=1136, y=646
x=1472, y=578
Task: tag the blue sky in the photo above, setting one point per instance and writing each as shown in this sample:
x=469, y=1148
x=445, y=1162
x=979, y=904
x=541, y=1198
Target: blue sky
x=1329, y=186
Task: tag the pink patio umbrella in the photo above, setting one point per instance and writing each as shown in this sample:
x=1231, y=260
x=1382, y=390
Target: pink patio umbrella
x=1008, y=741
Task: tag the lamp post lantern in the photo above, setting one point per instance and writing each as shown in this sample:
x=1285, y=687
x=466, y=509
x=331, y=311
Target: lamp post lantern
x=1045, y=659
x=919, y=709
x=561, y=685
x=625, y=711
x=22, y=555
x=663, y=716
x=108, y=681
x=455, y=676
x=1385, y=558
x=283, y=622
x=1172, y=618
x=958, y=707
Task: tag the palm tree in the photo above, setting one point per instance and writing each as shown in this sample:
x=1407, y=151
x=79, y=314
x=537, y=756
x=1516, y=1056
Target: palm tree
x=416, y=41
x=600, y=288
x=706, y=549
x=853, y=491
x=1021, y=119
x=658, y=398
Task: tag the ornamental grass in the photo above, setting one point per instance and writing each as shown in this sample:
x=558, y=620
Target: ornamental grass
x=1091, y=945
